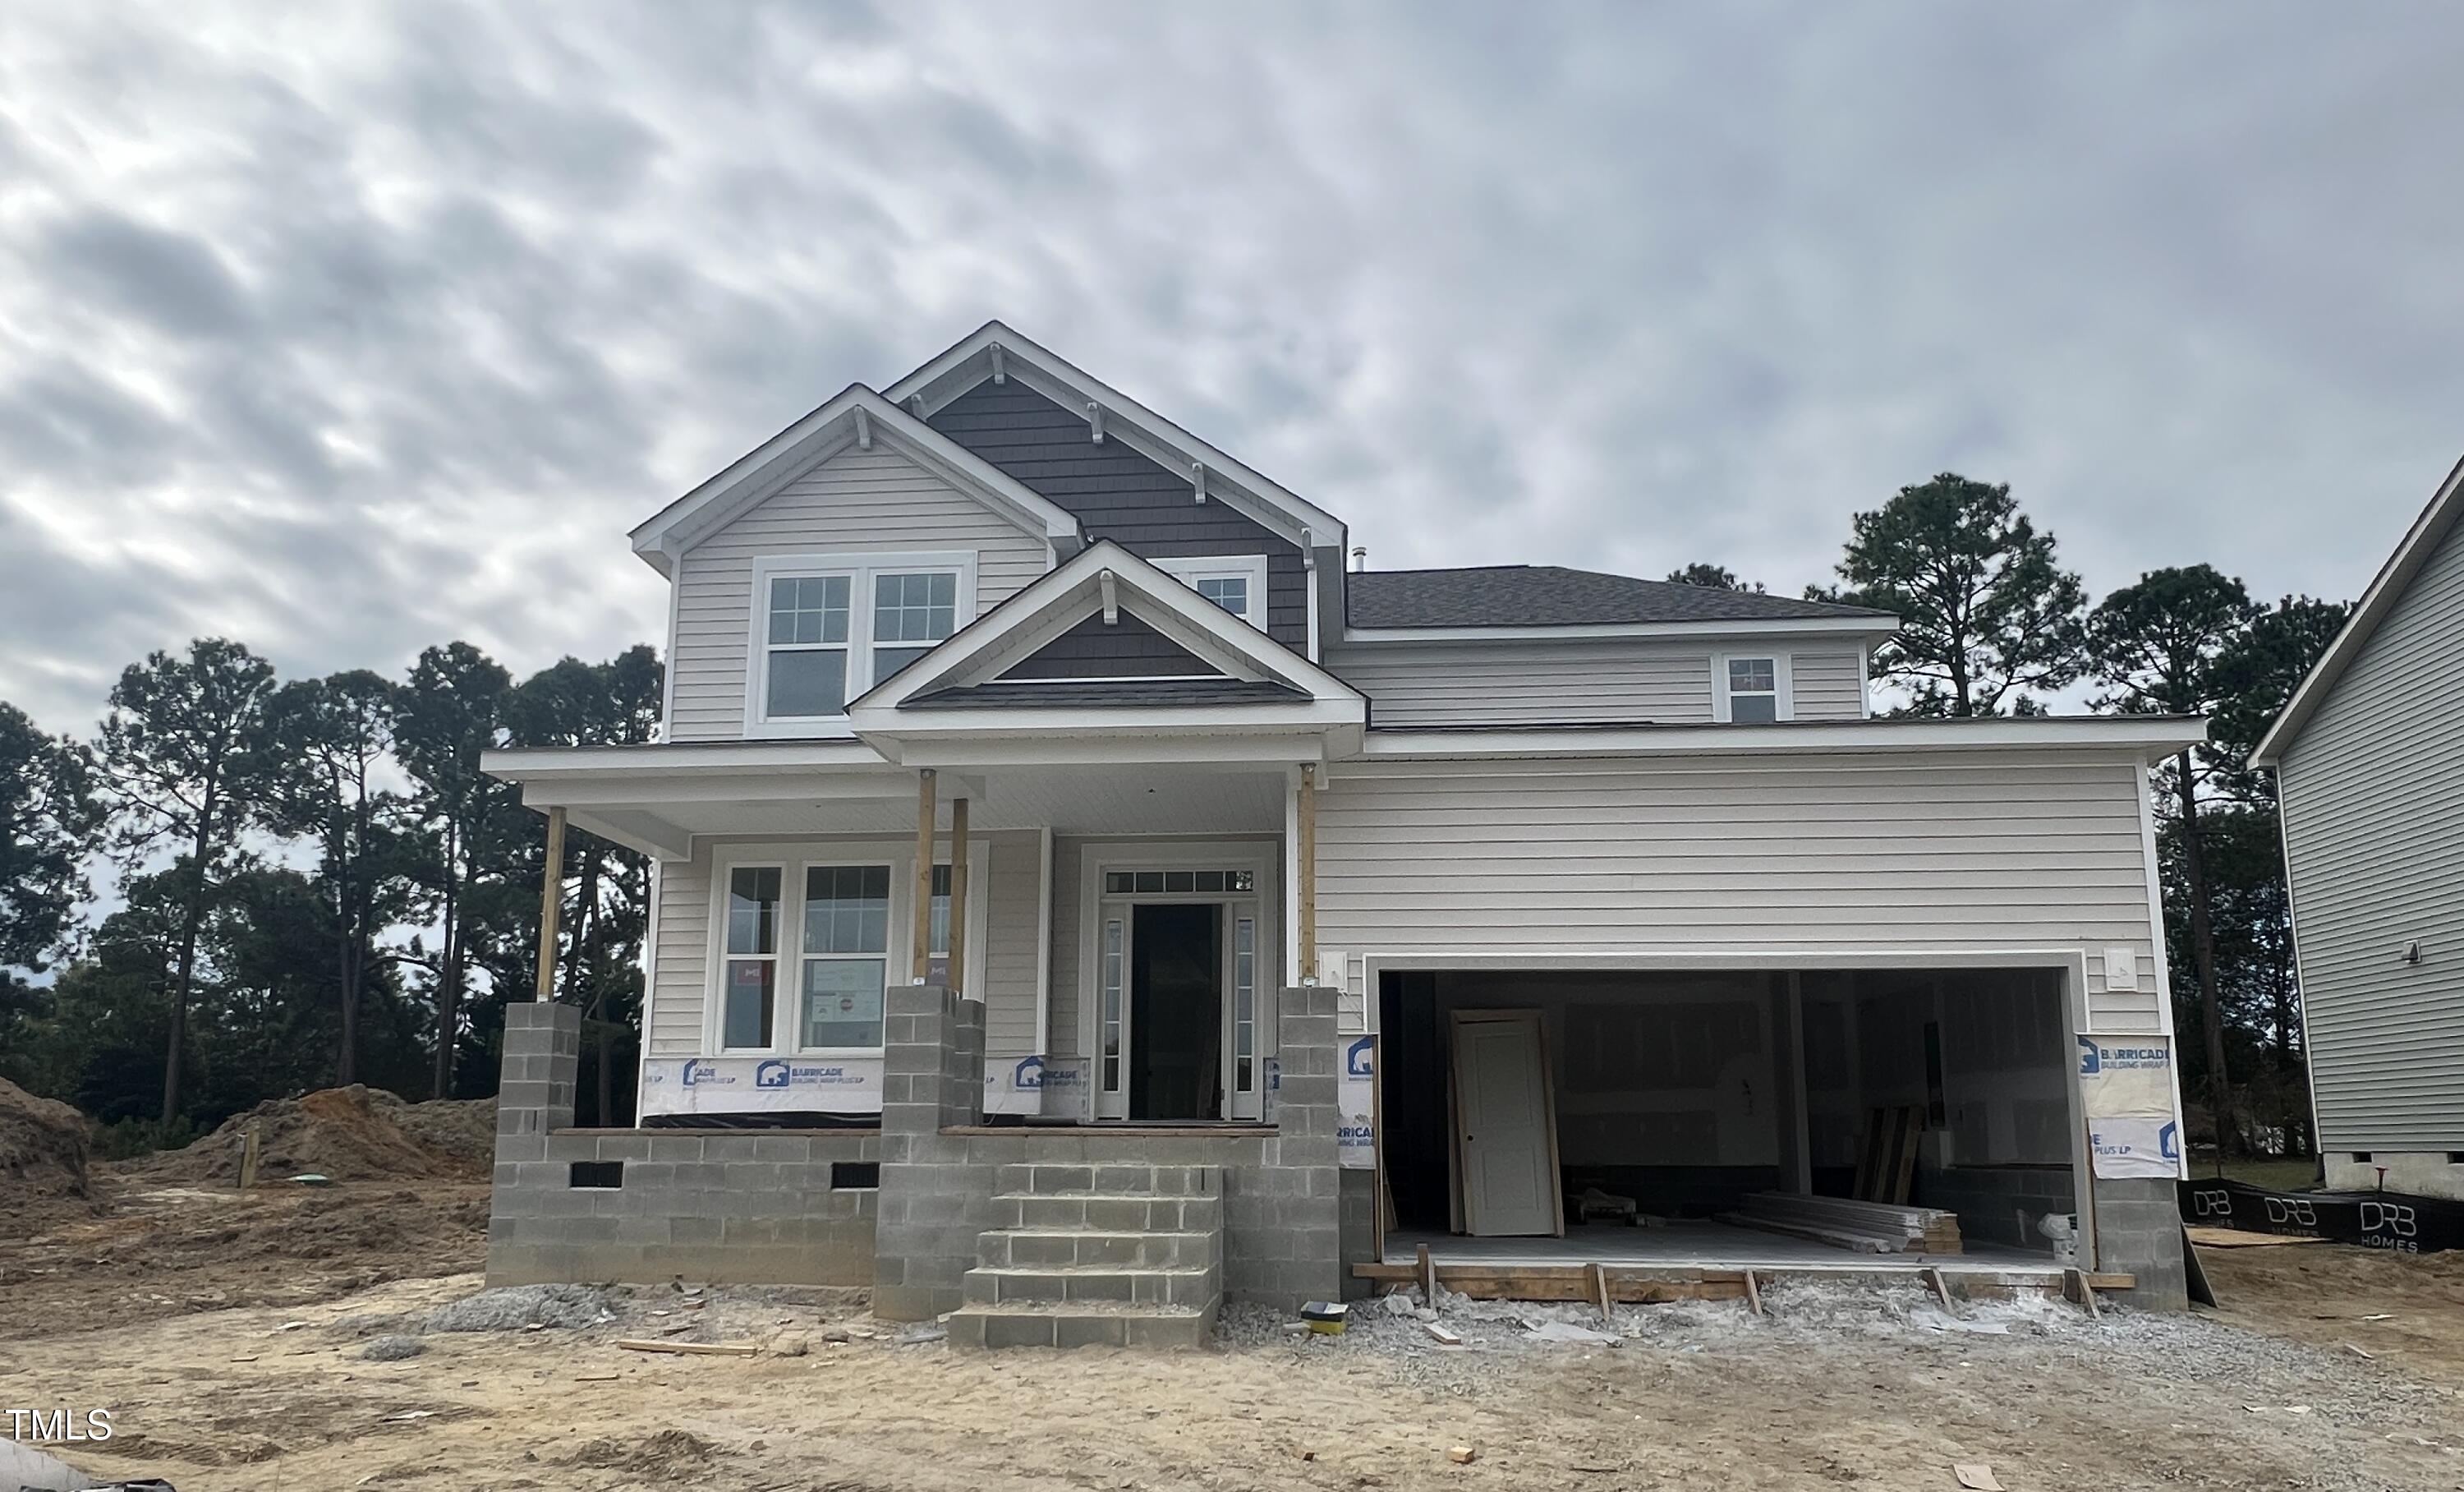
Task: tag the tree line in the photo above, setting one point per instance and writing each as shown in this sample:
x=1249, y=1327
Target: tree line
x=315, y=883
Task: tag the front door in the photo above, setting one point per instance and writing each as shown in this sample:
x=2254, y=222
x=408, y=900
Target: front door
x=1180, y=1026
x=1502, y=1126
x=1176, y=1012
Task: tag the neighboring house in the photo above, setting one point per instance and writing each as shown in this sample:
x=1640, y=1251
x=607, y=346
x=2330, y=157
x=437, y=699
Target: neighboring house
x=1201, y=812
x=2368, y=759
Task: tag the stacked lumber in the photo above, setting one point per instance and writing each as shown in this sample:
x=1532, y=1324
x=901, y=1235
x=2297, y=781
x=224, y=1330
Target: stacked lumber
x=1863, y=1227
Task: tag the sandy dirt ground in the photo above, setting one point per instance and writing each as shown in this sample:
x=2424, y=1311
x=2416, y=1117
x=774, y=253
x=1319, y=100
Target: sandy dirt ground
x=245, y=1369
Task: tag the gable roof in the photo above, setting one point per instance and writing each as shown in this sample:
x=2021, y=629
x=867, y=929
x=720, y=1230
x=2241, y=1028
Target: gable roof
x=1549, y=596
x=855, y=417
x=1104, y=576
x=2420, y=541
x=995, y=351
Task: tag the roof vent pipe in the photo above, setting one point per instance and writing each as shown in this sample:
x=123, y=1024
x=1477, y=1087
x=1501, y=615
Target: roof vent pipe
x=1359, y=557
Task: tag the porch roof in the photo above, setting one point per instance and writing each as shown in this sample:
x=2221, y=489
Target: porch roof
x=659, y=798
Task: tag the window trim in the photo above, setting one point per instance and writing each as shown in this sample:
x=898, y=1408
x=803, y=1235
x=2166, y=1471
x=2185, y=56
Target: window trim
x=1783, y=682
x=863, y=570
x=792, y=859
x=1190, y=569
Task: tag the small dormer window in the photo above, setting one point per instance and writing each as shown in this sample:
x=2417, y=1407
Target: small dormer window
x=1237, y=582
x=1751, y=688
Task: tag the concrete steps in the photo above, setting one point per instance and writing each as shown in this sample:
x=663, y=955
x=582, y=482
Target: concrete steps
x=1088, y=1256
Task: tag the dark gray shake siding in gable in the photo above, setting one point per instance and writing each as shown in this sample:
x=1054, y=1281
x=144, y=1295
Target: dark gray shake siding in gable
x=1120, y=495
x=1127, y=649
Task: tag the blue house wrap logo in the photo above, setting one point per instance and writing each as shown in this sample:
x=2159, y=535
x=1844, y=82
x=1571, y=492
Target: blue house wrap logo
x=2091, y=1058
x=771, y=1075
x=1028, y=1075
x=2168, y=1141
x=698, y=1071
x=1357, y=1056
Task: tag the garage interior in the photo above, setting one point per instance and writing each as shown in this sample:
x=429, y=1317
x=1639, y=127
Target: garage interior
x=1685, y=1094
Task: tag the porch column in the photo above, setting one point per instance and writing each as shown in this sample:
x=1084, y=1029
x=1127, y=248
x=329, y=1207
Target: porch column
x=923, y=917
x=1307, y=857
x=551, y=902
x=958, y=979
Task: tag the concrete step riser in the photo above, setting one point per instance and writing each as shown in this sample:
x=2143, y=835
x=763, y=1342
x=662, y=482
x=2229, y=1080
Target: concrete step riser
x=1116, y=1180
x=1194, y=1288
x=978, y=1330
x=1003, y=1249
x=1108, y=1214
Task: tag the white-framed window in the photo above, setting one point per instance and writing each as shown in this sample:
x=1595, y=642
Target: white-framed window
x=1751, y=688
x=1234, y=582
x=845, y=957
x=826, y=628
x=806, y=945
x=749, y=986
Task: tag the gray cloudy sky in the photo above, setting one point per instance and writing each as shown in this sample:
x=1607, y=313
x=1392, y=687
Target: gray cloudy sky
x=344, y=329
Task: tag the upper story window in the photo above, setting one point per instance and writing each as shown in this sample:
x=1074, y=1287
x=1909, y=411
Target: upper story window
x=831, y=627
x=1235, y=582
x=1751, y=688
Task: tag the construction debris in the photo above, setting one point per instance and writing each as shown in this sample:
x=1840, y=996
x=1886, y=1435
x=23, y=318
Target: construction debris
x=701, y=1348
x=1864, y=1227
x=1464, y=1455
x=1977, y=1477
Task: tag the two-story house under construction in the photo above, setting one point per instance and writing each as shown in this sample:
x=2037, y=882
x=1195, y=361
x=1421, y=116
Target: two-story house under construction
x=1080, y=897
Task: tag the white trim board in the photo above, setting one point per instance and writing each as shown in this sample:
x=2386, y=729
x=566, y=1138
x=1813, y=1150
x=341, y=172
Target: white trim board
x=1702, y=631
x=847, y=420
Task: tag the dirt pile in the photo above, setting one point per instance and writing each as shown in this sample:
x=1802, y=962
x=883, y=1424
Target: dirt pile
x=43, y=1147
x=350, y=1134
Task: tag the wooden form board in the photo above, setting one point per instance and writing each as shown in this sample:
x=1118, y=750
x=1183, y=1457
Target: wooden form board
x=1457, y=1020
x=1887, y=1163
x=1647, y=1285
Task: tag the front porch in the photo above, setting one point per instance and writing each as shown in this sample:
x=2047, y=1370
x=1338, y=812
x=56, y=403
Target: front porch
x=936, y=1210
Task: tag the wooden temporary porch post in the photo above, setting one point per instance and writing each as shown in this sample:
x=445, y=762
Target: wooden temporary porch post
x=551, y=902
x=923, y=917
x=1308, y=970
x=958, y=894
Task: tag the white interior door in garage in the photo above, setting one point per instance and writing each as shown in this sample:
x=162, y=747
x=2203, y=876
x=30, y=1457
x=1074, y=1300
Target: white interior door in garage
x=1505, y=1130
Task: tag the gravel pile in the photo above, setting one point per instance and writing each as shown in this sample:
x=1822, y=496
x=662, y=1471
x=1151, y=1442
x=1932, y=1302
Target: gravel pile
x=518, y=1307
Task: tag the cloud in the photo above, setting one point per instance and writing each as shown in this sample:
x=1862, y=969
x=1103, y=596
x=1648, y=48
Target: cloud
x=348, y=335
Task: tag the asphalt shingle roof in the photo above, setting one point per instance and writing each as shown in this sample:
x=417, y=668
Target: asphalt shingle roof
x=1073, y=693
x=1549, y=596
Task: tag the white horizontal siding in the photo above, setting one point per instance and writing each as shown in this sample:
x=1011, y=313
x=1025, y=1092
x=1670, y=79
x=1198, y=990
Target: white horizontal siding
x=1589, y=682
x=2373, y=800
x=1829, y=683
x=680, y=994
x=857, y=501
x=1856, y=855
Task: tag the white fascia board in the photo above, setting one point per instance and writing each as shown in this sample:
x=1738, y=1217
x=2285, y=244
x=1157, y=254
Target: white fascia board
x=969, y=363
x=2386, y=589
x=1282, y=747
x=826, y=432
x=1050, y=606
x=1707, y=631
x=527, y=764
x=2142, y=738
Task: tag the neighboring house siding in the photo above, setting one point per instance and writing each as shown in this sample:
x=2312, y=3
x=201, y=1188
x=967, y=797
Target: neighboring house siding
x=679, y=999
x=1592, y=682
x=1912, y=855
x=1119, y=495
x=856, y=502
x=2373, y=800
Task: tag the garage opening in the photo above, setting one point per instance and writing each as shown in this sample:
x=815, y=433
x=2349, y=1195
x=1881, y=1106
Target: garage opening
x=1681, y=1107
